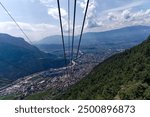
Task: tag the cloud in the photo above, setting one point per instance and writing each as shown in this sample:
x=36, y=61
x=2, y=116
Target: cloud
x=130, y=15
x=92, y=23
x=111, y=16
x=126, y=6
x=47, y=3
x=123, y=18
x=126, y=14
x=34, y=31
x=127, y=17
x=121, y=13
x=91, y=19
x=54, y=12
x=119, y=16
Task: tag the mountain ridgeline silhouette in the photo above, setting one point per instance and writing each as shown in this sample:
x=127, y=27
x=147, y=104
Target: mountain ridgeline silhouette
x=19, y=58
x=132, y=34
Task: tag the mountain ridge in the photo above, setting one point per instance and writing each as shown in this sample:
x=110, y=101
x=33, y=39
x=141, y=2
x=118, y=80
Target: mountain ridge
x=141, y=32
x=19, y=58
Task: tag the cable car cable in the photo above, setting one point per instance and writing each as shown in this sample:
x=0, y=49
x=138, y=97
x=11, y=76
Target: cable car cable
x=82, y=28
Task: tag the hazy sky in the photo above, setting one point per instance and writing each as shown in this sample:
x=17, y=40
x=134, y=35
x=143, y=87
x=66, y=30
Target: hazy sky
x=39, y=18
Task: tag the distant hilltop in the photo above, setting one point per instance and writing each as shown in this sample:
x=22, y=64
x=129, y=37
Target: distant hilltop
x=136, y=33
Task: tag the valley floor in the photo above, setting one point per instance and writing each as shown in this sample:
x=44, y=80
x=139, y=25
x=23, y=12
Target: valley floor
x=56, y=79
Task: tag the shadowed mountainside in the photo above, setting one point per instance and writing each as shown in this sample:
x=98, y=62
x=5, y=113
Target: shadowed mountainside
x=19, y=58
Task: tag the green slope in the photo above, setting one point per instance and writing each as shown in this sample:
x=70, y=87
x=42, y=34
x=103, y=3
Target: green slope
x=123, y=76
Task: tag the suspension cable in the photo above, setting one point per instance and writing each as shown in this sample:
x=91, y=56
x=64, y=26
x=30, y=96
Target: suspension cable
x=15, y=22
x=69, y=31
x=82, y=28
x=74, y=19
x=63, y=42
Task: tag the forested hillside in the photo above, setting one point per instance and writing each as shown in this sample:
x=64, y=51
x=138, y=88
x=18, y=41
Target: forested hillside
x=122, y=76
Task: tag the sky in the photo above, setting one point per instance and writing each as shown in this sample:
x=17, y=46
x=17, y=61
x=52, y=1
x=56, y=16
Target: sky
x=39, y=18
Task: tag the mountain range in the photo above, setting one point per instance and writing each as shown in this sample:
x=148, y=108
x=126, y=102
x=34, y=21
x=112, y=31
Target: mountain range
x=134, y=34
x=98, y=42
x=18, y=58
